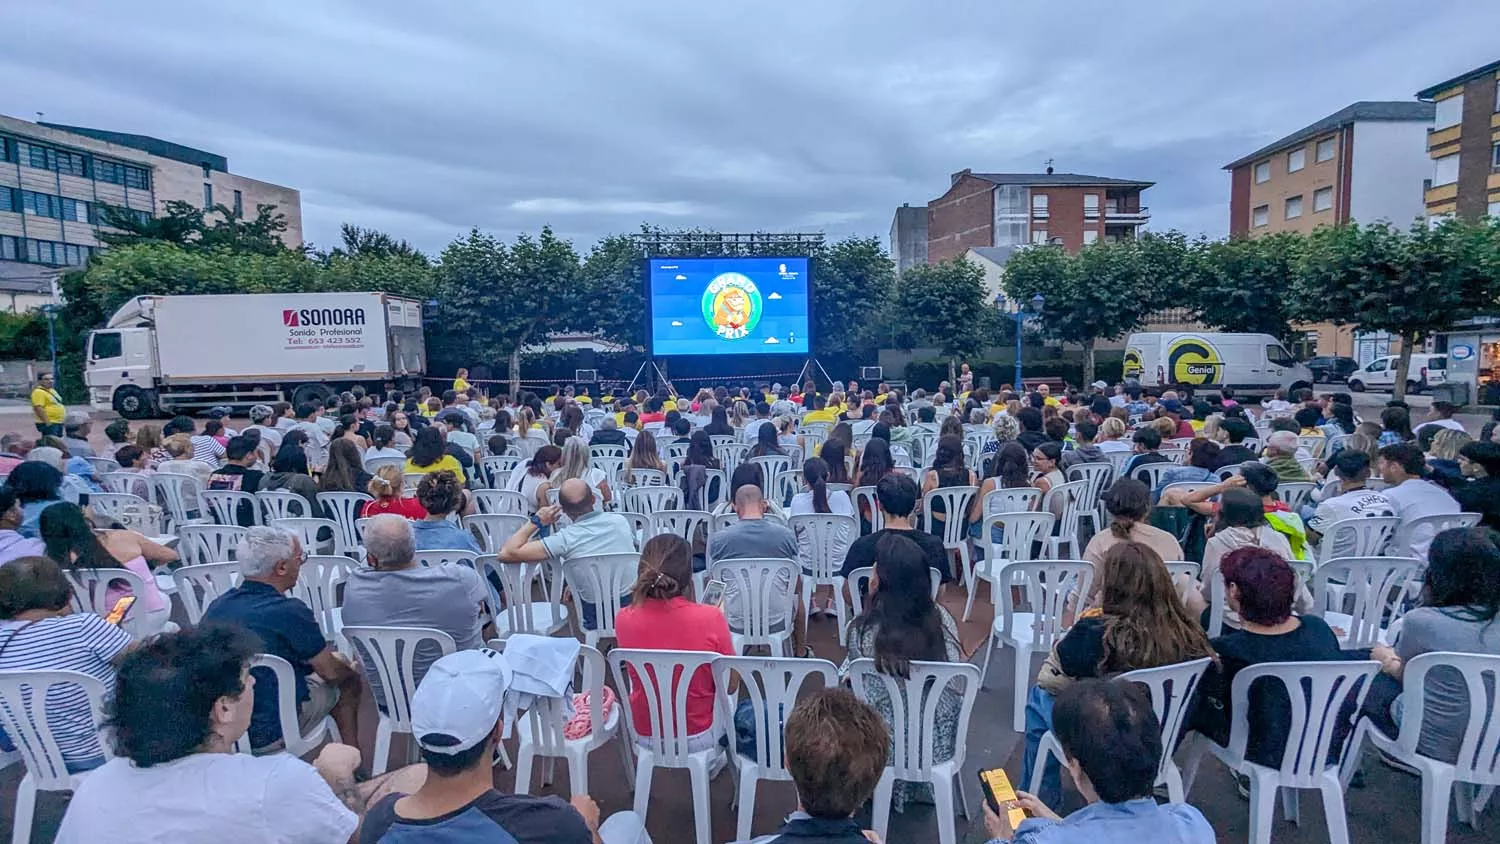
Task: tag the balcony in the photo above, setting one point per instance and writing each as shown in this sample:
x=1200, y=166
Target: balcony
x=1113, y=214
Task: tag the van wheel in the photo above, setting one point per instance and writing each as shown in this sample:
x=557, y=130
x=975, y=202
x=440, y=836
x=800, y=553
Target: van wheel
x=1301, y=385
x=1356, y=385
x=1413, y=387
x=310, y=393
x=134, y=403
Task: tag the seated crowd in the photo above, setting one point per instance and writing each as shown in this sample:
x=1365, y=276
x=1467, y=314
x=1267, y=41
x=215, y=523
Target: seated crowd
x=1256, y=496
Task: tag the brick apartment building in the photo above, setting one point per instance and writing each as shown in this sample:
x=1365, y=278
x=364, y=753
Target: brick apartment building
x=1464, y=145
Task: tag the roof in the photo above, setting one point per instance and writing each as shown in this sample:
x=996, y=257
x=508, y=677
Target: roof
x=1396, y=111
x=995, y=254
x=1057, y=179
x=154, y=146
x=1429, y=93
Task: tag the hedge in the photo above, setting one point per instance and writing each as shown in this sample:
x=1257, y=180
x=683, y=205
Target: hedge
x=929, y=372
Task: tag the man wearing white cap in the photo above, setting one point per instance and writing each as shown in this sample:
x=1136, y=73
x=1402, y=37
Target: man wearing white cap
x=456, y=719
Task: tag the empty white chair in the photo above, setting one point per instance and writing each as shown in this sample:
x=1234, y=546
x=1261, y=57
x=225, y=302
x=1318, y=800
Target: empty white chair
x=344, y=509
x=208, y=543
x=540, y=730
x=225, y=505
x=771, y=685
x=687, y=524
x=443, y=556
x=493, y=528
x=317, y=586
x=1047, y=584
x=914, y=704
x=1295, y=493
x=1019, y=532
x=649, y=499
x=663, y=741
x=198, y=585
x=389, y=654
x=1478, y=762
x=823, y=541
x=1361, y=536
x=501, y=501
x=1377, y=587
x=612, y=467
x=307, y=530
x=1098, y=476
x=179, y=496
x=758, y=601
x=293, y=740
x=1317, y=692
x=731, y=455
x=859, y=585
x=784, y=486
x=956, y=501
x=603, y=580
x=23, y=696
x=1073, y=505
x=1172, y=688
x=518, y=610
x=280, y=504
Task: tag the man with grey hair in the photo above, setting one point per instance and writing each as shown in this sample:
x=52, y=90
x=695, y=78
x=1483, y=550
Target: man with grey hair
x=76, y=428
x=396, y=592
x=609, y=433
x=1281, y=455
x=13, y=449
x=270, y=561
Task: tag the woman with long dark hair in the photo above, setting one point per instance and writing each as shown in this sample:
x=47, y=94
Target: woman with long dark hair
x=1008, y=469
x=428, y=454
x=875, y=462
x=835, y=455
x=73, y=543
x=345, y=471
x=538, y=470
x=816, y=498
x=643, y=455
x=902, y=623
x=289, y=471
x=947, y=470
x=1129, y=505
x=700, y=451
x=767, y=443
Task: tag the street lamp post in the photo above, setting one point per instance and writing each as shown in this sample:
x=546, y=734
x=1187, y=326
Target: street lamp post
x=1035, y=309
x=51, y=312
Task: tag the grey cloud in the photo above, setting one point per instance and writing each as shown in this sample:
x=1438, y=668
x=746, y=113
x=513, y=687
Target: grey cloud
x=426, y=119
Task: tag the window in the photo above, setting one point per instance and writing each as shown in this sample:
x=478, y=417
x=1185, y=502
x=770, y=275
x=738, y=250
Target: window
x=51, y=252
x=1263, y=172
x=105, y=344
x=207, y=171
x=1322, y=199
x=1278, y=355
x=1296, y=160
x=208, y=196
x=1325, y=150
x=75, y=211
x=137, y=177
x=1261, y=216
x=1090, y=236
x=1010, y=234
x=7, y=149
x=10, y=248
x=41, y=252
x=1445, y=170
x=239, y=204
x=37, y=204
x=1377, y=365
x=1010, y=201
x=10, y=199
x=66, y=163
x=1495, y=156
x=1039, y=205
x=1091, y=205
x=1450, y=112
x=1038, y=236
x=1293, y=207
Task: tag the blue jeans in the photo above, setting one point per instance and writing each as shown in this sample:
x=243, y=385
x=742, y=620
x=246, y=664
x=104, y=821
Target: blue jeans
x=1038, y=722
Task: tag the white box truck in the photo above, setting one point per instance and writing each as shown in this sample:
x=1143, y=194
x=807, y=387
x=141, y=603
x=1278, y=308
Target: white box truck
x=1250, y=364
x=176, y=354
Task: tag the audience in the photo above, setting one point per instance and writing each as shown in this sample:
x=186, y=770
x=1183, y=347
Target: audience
x=754, y=537
x=1401, y=467
x=896, y=496
x=1128, y=503
x=289, y=471
x=1480, y=463
x=388, y=489
x=36, y=486
x=1347, y=496
x=440, y=494
x=74, y=544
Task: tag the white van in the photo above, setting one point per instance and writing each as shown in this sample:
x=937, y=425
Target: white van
x=1380, y=373
x=1250, y=364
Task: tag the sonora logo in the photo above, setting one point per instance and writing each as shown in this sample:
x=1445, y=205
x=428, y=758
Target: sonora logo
x=322, y=316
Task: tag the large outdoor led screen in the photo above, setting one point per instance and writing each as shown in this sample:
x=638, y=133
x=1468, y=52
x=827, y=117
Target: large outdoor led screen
x=728, y=306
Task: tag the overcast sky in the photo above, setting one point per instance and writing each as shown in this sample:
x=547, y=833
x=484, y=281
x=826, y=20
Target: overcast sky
x=424, y=119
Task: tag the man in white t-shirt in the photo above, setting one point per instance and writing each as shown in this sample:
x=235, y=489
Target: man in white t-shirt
x=308, y=418
x=1441, y=416
x=1401, y=468
x=179, y=778
x=1351, y=499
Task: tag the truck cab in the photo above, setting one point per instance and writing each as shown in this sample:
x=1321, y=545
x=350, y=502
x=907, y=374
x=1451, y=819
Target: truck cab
x=120, y=371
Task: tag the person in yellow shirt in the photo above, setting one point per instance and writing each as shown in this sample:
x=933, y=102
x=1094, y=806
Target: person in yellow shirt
x=1047, y=398
x=820, y=412
x=47, y=406
x=583, y=397
x=428, y=454
x=461, y=381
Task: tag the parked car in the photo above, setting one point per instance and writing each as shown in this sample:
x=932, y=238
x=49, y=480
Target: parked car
x=1380, y=373
x=1335, y=369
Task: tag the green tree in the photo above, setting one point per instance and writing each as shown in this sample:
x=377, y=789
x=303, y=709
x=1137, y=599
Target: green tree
x=356, y=242
x=187, y=226
x=1243, y=285
x=613, y=276
x=852, y=285
x=1411, y=283
x=943, y=305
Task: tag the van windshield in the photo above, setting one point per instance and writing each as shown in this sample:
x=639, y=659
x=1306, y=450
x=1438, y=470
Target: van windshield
x=1279, y=356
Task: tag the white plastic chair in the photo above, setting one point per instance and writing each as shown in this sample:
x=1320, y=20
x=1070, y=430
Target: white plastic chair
x=23, y=697
x=518, y=611
x=752, y=588
x=1117, y=460
x=598, y=451
x=1295, y=493
x=649, y=499
x=540, y=729
x=1377, y=586
x=293, y=740
x=640, y=526
x=1317, y=692
x=1019, y=532
x=731, y=455
x=1185, y=575
x=914, y=704
x=1365, y=536
x=859, y=585
x=784, y=486
x=823, y=541
x=91, y=593
x=498, y=468
x=643, y=477
x=198, y=585
x=223, y=506
x=344, y=509
x=410, y=480
x=1011, y=500
x=132, y=483
x=1066, y=531
x=1047, y=585
x=390, y=654
x=443, y=556
x=770, y=465
x=664, y=677
x=494, y=528
x=683, y=523
x=1314, y=446
x=208, y=543
x=102, y=465
x=1478, y=762
x=373, y=465
x=1172, y=688
x=1420, y=531
x=317, y=586
x=865, y=500
x=603, y=580
x=1098, y=476
x=1150, y=474
x=174, y=492
x=307, y=530
x=956, y=501
x=500, y=501
x=281, y=504
x=772, y=686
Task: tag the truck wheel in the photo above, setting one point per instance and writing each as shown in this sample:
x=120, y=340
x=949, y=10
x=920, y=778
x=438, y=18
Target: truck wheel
x=134, y=403
x=1355, y=385
x=314, y=393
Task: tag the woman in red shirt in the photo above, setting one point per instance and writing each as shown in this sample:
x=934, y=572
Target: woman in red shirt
x=663, y=616
x=387, y=489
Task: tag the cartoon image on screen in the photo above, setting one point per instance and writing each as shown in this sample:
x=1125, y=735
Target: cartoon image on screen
x=729, y=306
x=732, y=306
